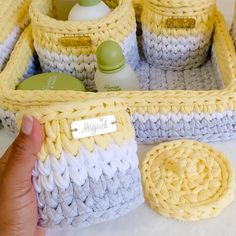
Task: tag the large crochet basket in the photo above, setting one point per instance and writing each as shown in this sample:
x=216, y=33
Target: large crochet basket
x=81, y=182
x=70, y=47
x=177, y=33
x=14, y=17
x=198, y=104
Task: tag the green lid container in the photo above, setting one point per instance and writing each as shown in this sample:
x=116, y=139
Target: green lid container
x=110, y=57
x=88, y=3
x=51, y=81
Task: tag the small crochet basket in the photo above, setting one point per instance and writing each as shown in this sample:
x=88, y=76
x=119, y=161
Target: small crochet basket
x=90, y=180
x=177, y=33
x=70, y=47
x=13, y=19
x=197, y=104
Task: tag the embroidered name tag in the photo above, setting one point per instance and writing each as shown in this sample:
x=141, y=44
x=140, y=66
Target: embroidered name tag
x=81, y=41
x=94, y=127
x=180, y=23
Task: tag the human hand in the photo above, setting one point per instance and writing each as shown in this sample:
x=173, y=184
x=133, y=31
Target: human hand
x=18, y=206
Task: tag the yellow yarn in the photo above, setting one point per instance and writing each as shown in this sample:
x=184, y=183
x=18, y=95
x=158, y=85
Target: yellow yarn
x=156, y=13
x=56, y=122
x=117, y=26
x=151, y=102
x=187, y=180
x=13, y=13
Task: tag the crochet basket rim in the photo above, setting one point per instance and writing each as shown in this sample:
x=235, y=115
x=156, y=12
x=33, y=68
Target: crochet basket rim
x=12, y=14
x=69, y=27
x=180, y=3
x=137, y=101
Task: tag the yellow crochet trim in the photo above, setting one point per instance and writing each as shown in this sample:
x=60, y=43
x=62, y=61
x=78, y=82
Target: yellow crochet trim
x=117, y=26
x=184, y=4
x=13, y=13
x=138, y=6
x=151, y=102
x=56, y=121
x=187, y=180
x=161, y=11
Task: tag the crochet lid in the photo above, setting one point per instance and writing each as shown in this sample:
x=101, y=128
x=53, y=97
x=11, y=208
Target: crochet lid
x=187, y=180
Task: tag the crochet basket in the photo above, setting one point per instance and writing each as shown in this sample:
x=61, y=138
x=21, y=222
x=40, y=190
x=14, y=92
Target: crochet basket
x=196, y=104
x=177, y=33
x=90, y=180
x=70, y=47
x=13, y=19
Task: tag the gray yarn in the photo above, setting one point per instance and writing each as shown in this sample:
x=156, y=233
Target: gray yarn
x=177, y=53
x=216, y=129
x=198, y=79
x=92, y=203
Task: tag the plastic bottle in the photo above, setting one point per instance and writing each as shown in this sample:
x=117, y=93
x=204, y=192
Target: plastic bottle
x=113, y=74
x=86, y=10
x=51, y=81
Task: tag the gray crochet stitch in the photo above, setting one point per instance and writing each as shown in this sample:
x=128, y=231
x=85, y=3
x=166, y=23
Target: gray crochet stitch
x=92, y=203
x=208, y=130
x=203, y=78
x=177, y=53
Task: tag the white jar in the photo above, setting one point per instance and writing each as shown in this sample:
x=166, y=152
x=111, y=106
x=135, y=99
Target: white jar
x=86, y=10
x=113, y=74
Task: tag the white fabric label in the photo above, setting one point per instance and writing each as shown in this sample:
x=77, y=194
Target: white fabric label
x=94, y=127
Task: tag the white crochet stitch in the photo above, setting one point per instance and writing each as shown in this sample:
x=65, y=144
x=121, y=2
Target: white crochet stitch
x=84, y=67
x=86, y=165
x=90, y=188
x=7, y=46
x=180, y=52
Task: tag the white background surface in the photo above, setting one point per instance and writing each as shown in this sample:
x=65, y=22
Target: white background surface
x=145, y=222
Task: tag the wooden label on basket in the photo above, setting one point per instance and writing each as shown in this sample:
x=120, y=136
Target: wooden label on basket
x=94, y=127
x=79, y=41
x=180, y=23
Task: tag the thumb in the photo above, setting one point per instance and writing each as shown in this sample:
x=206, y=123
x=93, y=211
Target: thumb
x=24, y=150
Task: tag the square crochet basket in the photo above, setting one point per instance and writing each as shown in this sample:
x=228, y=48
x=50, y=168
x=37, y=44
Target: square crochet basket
x=70, y=47
x=90, y=180
x=177, y=33
x=14, y=17
x=196, y=104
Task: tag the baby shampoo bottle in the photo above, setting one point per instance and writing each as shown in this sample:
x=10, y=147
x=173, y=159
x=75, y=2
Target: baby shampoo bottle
x=113, y=74
x=87, y=10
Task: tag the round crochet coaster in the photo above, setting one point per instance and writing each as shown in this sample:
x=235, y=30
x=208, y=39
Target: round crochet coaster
x=187, y=180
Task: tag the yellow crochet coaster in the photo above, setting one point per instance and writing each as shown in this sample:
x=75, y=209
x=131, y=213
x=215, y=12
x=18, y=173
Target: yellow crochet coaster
x=187, y=180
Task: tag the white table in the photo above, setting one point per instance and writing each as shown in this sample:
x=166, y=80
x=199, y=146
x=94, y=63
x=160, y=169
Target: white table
x=145, y=222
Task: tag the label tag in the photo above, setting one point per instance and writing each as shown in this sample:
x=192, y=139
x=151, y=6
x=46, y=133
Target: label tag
x=180, y=23
x=94, y=127
x=80, y=41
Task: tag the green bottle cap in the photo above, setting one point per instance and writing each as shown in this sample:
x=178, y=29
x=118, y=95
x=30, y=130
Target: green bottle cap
x=51, y=81
x=110, y=57
x=88, y=3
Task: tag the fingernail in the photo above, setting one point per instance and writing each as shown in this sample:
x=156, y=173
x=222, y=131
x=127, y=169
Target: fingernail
x=27, y=125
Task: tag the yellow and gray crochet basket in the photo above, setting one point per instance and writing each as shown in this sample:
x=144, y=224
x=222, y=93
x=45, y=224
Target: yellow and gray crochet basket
x=90, y=180
x=14, y=17
x=70, y=47
x=177, y=33
x=196, y=104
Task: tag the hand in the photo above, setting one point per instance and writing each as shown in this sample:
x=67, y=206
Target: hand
x=18, y=206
